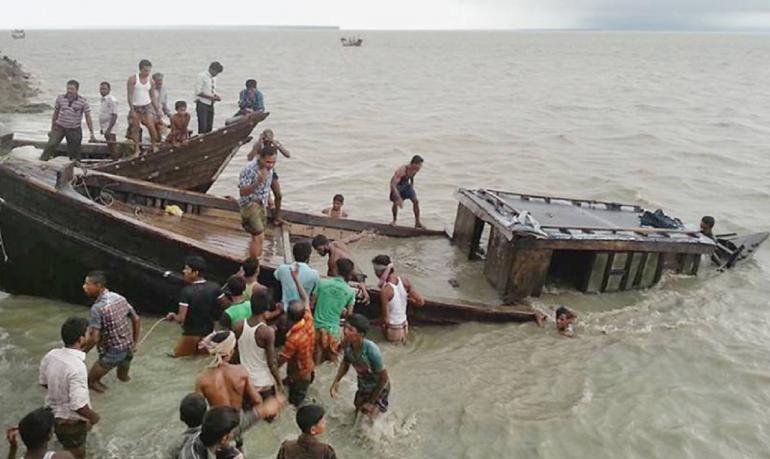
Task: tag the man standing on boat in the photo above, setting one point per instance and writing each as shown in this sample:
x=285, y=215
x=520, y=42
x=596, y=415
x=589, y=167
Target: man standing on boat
x=142, y=106
x=198, y=305
x=114, y=327
x=108, y=118
x=255, y=183
x=205, y=96
x=67, y=123
x=402, y=187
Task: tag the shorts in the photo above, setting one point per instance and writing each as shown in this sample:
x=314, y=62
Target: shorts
x=142, y=110
x=71, y=434
x=397, y=333
x=328, y=344
x=362, y=397
x=112, y=359
x=405, y=191
x=254, y=219
x=247, y=420
x=298, y=389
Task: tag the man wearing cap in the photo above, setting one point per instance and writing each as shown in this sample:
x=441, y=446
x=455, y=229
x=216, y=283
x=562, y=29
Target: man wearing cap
x=365, y=357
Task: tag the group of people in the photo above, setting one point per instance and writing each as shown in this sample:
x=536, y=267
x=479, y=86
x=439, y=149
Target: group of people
x=148, y=105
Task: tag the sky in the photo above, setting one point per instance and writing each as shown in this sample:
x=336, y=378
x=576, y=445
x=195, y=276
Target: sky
x=395, y=14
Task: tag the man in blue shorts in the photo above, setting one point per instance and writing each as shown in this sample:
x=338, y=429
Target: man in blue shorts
x=402, y=187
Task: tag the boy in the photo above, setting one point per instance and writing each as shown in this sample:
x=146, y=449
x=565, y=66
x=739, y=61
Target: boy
x=191, y=412
x=565, y=321
x=35, y=429
x=335, y=211
x=311, y=421
x=300, y=341
x=180, y=122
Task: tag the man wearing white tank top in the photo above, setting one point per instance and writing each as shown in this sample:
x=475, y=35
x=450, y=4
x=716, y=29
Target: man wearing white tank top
x=142, y=106
x=256, y=347
x=395, y=294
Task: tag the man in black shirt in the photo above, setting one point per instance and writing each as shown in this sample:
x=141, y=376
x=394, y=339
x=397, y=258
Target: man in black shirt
x=198, y=306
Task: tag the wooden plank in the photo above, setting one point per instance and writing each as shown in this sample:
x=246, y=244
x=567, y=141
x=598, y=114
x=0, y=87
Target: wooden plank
x=288, y=255
x=499, y=260
x=616, y=245
x=528, y=273
x=467, y=230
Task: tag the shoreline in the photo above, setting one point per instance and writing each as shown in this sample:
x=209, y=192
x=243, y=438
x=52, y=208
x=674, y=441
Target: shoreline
x=18, y=88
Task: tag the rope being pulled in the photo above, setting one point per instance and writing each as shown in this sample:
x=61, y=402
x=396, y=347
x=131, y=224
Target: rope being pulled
x=146, y=335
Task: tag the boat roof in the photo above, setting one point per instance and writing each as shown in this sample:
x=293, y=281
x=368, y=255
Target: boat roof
x=556, y=218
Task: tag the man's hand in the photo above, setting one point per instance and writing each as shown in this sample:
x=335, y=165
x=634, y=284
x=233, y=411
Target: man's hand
x=216, y=98
x=271, y=407
x=94, y=418
x=171, y=316
x=367, y=408
x=334, y=390
x=278, y=221
x=92, y=138
x=400, y=203
x=11, y=436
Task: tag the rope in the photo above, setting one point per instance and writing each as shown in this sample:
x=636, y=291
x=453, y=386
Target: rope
x=146, y=335
x=2, y=247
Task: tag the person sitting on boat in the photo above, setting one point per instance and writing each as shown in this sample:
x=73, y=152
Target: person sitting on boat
x=335, y=211
x=108, y=118
x=180, y=123
x=565, y=321
x=707, y=227
x=142, y=105
x=395, y=294
x=67, y=123
x=254, y=186
x=250, y=100
x=198, y=303
x=337, y=250
x=159, y=92
x=402, y=187
x=333, y=299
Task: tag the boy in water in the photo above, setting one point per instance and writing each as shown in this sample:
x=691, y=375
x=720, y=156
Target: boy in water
x=311, y=421
x=335, y=211
x=191, y=412
x=565, y=321
x=36, y=430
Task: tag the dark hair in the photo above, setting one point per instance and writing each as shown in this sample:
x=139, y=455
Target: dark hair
x=180, y=104
x=359, y=322
x=144, y=63
x=196, y=263
x=250, y=266
x=308, y=416
x=268, y=150
x=416, y=159
x=74, y=83
x=157, y=76
x=35, y=428
x=345, y=268
x=73, y=329
x=338, y=197
x=250, y=83
x=563, y=310
x=296, y=311
x=708, y=220
x=98, y=277
x=261, y=302
x=106, y=83
x=319, y=240
x=302, y=251
x=235, y=285
x=216, y=66
x=192, y=409
x=220, y=336
x=217, y=423
x=383, y=260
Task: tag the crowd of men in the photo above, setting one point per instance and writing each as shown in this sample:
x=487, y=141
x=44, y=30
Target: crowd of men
x=148, y=105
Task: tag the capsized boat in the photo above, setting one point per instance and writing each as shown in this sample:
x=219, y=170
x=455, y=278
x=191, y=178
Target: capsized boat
x=195, y=165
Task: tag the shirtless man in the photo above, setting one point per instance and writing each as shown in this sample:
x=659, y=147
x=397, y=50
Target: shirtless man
x=142, y=105
x=222, y=383
x=335, y=211
x=402, y=187
x=338, y=250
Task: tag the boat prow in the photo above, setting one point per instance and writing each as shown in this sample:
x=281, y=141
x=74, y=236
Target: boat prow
x=734, y=250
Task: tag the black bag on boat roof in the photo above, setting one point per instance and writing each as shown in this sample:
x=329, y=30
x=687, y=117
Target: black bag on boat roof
x=658, y=219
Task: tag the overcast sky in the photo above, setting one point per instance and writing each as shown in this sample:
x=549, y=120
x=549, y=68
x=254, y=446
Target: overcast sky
x=395, y=14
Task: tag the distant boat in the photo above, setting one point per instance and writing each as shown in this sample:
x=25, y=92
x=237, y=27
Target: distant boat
x=18, y=34
x=351, y=41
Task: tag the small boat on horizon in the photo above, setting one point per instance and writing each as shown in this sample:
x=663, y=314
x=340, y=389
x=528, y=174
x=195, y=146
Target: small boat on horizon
x=351, y=41
x=18, y=34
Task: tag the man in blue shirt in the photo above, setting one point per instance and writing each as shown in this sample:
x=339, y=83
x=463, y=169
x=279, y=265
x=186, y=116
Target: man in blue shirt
x=251, y=99
x=308, y=276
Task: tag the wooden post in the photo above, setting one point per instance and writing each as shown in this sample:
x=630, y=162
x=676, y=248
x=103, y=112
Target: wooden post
x=65, y=175
x=528, y=272
x=497, y=266
x=467, y=231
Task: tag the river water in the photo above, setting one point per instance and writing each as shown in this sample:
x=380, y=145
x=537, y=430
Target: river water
x=678, y=121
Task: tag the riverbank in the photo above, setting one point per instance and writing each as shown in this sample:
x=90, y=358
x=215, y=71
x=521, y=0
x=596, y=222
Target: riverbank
x=17, y=89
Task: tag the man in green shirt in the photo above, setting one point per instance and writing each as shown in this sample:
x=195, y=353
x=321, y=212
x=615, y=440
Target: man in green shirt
x=333, y=299
x=240, y=307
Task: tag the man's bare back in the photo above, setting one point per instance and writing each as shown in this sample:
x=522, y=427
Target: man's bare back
x=337, y=251
x=227, y=385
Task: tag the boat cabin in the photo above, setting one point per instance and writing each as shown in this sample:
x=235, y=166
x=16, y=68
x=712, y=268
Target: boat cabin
x=593, y=246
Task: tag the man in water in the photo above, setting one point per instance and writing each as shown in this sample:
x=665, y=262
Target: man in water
x=66, y=122
x=308, y=276
x=707, y=227
x=297, y=353
x=334, y=299
x=254, y=185
x=335, y=211
x=256, y=347
x=395, y=294
x=239, y=306
x=250, y=271
x=36, y=430
x=64, y=374
x=312, y=422
x=108, y=117
x=222, y=383
x=402, y=187
x=198, y=304
x=365, y=357
x=206, y=95
x=111, y=319
x=335, y=250
x=565, y=321
x=191, y=411
x=142, y=106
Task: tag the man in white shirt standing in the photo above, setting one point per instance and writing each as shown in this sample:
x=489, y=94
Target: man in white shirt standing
x=108, y=117
x=64, y=374
x=205, y=96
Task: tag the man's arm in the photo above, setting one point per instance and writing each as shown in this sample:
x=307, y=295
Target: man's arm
x=354, y=238
x=130, y=92
x=250, y=393
x=136, y=324
x=55, y=114
x=275, y=186
x=90, y=125
x=300, y=289
x=180, y=315
x=386, y=294
x=94, y=335
x=412, y=293
x=78, y=396
x=13, y=441
x=113, y=120
x=284, y=151
x=381, y=383
x=269, y=337
x=397, y=176
x=341, y=372
x=246, y=190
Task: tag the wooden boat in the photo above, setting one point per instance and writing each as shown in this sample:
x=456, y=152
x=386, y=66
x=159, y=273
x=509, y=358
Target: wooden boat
x=733, y=249
x=18, y=34
x=57, y=223
x=351, y=41
x=194, y=166
x=594, y=246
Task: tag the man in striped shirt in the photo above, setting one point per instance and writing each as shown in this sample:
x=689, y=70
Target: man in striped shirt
x=67, y=123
